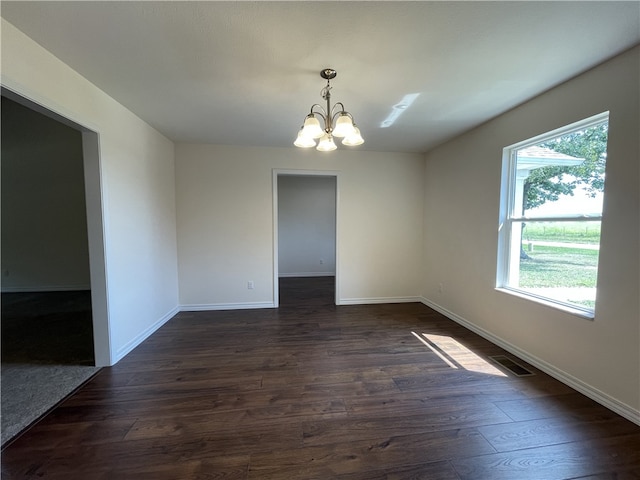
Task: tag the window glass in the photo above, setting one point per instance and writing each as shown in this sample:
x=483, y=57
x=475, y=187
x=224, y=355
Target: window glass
x=552, y=195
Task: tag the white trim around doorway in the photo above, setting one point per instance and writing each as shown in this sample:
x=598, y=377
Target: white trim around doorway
x=295, y=172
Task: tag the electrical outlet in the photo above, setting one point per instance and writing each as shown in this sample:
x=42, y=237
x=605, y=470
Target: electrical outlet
x=322, y=261
x=250, y=285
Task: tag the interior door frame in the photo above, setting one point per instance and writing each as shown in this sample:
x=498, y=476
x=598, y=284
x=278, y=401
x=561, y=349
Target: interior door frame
x=300, y=173
x=95, y=216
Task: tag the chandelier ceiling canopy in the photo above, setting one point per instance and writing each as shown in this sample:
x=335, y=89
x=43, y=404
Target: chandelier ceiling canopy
x=337, y=122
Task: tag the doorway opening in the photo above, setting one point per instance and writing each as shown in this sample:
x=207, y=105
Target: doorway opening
x=52, y=275
x=305, y=230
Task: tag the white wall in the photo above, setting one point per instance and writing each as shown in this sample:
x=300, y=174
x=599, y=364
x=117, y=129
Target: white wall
x=225, y=223
x=601, y=356
x=136, y=170
x=306, y=225
x=44, y=224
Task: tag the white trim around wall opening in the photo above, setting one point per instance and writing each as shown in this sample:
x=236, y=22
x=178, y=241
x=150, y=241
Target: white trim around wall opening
x=292, y=172
x=95, y=219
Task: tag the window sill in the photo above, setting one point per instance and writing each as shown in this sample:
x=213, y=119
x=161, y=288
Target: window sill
x=578, y=312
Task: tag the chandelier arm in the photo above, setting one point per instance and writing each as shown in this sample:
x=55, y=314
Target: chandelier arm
x=333, y=109
x=323, y=114
x=322, y=110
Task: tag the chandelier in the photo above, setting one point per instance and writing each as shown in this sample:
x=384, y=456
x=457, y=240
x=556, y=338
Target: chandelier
x=337, y=121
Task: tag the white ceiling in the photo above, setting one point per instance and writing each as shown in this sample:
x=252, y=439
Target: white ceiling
x=246, y=73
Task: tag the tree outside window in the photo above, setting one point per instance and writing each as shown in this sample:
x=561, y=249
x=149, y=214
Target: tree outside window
x=552, y=194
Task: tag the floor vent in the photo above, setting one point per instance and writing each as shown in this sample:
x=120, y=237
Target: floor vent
x=515, y=368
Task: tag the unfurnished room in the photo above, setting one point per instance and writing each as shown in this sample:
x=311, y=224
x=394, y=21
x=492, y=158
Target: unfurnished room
x=320, y=240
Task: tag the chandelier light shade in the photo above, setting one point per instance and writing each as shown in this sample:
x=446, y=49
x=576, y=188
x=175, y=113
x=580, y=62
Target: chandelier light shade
x=337, y=122
x=354, y=139
x=303, y=141
x=326, y=143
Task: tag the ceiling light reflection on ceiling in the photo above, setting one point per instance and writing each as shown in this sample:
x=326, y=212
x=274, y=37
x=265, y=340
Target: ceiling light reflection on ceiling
x=398, y=109
x=337, y=122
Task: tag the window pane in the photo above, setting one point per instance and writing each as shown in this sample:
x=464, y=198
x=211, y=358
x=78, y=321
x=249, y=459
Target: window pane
x=551, y=207
x=563, y=175
x=559, y=260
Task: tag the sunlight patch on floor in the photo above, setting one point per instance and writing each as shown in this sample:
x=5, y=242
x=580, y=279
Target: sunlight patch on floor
x=456, y=355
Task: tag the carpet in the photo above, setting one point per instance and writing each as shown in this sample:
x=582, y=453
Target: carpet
x=47, y=352
x=28, y=392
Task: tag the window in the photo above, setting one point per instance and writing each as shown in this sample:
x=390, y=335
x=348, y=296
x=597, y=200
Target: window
x=550, y=215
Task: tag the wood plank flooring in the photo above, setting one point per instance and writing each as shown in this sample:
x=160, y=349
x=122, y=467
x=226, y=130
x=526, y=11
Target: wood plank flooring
x=315, y=391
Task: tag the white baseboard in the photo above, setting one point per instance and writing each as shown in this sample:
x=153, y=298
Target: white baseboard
x=602, y=398
x=308, y=274
x=376, y=300
x=122, y=352
x=225, y=306
x=46, y=288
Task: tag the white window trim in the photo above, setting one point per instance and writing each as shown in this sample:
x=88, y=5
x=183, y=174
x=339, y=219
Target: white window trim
x=506, y=246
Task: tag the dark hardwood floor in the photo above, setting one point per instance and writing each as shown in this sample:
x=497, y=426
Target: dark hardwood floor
x=315, y=391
